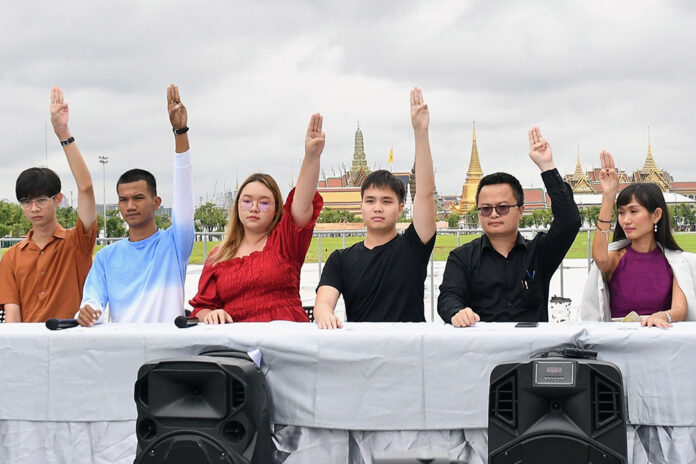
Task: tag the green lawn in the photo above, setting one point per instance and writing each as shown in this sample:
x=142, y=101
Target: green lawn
x=443, y=245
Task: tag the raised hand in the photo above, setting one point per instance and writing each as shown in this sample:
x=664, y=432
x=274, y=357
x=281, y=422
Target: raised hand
x=316, y=138
x=177, y=110
x=608, y=177
x=59, y=114
x=540, y=150
x=420, y=116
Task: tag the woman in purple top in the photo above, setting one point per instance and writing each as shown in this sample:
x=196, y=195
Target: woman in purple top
x=640, y=278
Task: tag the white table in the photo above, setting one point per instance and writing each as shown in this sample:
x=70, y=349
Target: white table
x=366, y=386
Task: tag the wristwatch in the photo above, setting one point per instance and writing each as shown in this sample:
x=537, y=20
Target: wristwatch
x=669, y=317
x=67, y=141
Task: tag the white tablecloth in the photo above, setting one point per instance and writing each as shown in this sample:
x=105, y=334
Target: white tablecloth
x=67, y=396
x=363, y=377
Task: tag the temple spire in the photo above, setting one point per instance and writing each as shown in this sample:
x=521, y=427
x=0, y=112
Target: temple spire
x=578, y=174
x=649, y=164
x=474, y=164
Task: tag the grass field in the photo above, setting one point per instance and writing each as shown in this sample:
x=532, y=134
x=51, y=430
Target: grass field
x=443, y=245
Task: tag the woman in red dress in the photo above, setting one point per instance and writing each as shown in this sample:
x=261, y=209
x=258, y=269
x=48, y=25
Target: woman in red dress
x=254, y=275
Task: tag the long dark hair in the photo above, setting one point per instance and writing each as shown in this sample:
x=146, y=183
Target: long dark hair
x=649, y=196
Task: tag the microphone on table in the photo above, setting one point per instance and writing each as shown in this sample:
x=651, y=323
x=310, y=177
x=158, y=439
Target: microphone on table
x=58, y=324
x=184, y=322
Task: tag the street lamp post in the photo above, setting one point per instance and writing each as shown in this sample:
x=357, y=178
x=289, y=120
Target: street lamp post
x=104, y=160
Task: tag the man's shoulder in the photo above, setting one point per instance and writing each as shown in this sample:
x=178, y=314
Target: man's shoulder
x=353, y=250
x=118, y=246
x=469, y=247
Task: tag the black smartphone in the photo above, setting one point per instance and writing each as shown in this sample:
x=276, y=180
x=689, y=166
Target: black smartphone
x=526, y=324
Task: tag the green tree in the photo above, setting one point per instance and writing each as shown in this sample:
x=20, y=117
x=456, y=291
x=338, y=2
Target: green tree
x=453, y=221
x=67, y=217
x=211, y=217
x=472, y=217
x=334, y=216
x=163, y=221
x=115, y=226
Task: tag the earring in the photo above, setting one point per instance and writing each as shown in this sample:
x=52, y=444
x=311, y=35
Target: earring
x=655, y=227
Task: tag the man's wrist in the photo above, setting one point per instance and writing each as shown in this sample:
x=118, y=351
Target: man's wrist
x=546, y=166
x=63, y=135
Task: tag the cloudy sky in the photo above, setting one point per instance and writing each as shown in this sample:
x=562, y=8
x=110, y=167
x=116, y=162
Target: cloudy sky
x=593, y=74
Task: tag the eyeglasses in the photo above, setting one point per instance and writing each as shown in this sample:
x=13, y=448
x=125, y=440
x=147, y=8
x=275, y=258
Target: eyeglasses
x=41, y=202
x=502, y=210
x=263, y=205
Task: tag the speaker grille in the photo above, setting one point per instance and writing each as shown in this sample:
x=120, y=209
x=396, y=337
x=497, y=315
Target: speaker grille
x=238, y=393
x=606, y=403
x=504, y=400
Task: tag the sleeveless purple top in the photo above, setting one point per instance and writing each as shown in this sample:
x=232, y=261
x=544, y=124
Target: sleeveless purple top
x=642, y=282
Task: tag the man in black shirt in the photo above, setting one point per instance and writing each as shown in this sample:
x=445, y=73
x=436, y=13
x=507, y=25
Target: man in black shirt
x=382, y=277
x=502, y=276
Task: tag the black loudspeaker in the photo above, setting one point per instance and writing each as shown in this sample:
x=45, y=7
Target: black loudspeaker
x=556, y=410
x=204, y=409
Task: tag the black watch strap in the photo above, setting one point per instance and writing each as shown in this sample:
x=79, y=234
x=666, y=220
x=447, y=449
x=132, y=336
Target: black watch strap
x=67, y=141
x=183, y=130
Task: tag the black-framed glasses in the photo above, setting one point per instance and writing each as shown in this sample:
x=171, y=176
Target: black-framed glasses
x=502, y=210
x=41, y=202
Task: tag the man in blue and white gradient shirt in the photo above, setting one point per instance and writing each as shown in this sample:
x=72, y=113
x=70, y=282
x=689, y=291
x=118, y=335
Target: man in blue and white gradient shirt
x=142, y=279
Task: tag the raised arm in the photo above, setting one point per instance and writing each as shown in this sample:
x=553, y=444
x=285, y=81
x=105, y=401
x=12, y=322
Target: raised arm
x=424, y=201
x=566, y=218
x=86, y=204
x=182, y=205
x=540, y=150
x=179, y=118
x=609, y=180
x=301, y=208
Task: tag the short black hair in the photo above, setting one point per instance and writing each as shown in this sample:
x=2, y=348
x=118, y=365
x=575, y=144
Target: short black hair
x=134, y=175
x=384, y=179
x=37, y=182
x=502, y=178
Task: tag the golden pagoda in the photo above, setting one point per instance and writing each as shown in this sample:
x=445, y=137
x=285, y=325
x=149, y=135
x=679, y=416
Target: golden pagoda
x=651, y=173
x=579, y=181
x=473, y=178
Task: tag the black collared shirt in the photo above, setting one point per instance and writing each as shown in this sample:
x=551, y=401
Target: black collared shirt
x=515, y=288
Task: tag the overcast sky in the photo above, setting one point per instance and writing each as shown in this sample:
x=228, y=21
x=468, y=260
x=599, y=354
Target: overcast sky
x=593, y=74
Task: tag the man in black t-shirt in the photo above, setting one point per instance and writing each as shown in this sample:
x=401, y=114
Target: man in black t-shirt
x=382, y=277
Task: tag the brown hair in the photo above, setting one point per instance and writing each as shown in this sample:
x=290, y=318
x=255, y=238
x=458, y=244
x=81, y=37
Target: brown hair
x=235, y=230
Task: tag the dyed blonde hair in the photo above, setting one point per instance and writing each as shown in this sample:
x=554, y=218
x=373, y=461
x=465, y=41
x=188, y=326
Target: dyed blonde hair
x=234, y=233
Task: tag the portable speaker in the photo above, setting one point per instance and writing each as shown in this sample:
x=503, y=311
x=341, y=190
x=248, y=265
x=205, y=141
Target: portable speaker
x=556, y=410
x=204, y=409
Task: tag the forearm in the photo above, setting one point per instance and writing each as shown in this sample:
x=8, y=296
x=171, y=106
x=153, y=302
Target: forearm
x=302, y=208
x=182, y=204
x=600, y=245
x=181, y=142
x=86, y=202
x=12, y=313
x=424, y=202
x=453, y=290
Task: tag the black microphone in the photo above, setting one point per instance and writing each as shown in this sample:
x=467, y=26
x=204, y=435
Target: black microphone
x=183, y=322
x=58, y=324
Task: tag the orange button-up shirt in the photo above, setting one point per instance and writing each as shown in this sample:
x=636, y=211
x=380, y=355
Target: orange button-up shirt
x=48, y=282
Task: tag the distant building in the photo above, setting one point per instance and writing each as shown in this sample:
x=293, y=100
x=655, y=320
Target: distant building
x=342, y=191
x=467, y=200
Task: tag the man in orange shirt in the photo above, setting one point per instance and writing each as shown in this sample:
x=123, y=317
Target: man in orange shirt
x=42, y=276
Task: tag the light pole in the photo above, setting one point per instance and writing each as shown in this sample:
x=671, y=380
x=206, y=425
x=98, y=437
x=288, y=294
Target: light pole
x=103, y=160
